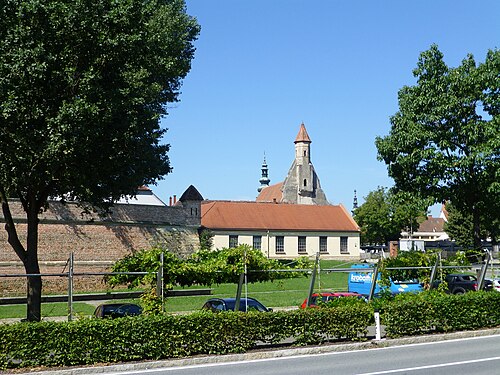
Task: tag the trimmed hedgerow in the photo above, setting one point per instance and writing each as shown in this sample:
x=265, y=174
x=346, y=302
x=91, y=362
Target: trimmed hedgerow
x=91, y=341
x=434, y=312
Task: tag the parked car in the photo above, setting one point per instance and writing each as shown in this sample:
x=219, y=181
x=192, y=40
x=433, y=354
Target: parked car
x=459, y=283
x=228, y=304
x=117, y=310
x=329, y=296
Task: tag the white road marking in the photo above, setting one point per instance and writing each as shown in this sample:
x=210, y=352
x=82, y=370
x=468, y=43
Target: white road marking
x=430, y=366
x=284, y=358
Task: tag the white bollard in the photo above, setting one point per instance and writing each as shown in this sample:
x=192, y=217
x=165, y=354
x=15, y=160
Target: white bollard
x=377, y=325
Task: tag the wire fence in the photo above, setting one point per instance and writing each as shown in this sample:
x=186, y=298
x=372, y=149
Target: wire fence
x=318, y=281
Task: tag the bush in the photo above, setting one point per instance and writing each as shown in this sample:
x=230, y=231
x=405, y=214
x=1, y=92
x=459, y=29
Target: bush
x=432, y=311
x=91, y=341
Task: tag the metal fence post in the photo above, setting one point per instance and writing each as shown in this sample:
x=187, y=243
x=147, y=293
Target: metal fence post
x=374, y=283
x=434, y=271
x=313, y=281
x=160, y=284
x=70, y=287
x=238, y=292
x=484, y=269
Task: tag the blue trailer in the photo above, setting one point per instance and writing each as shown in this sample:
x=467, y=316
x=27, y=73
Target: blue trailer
x=360, y=281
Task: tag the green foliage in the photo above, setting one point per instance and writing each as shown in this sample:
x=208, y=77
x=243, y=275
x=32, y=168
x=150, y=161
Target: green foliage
x=206, y=239
x=460, y=226
x=151, y=303
x=444, y=141
x=90, y=341
x=205, y=267
x=342, y=301
x=145, y=337
x=385, y=213
x=418, y=259
x=432, y=311
x=83, y=86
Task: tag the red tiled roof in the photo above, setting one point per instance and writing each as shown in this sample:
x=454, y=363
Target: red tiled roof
x=302, y=136
x=432, y=224
x=271, y=216
x=271, y=193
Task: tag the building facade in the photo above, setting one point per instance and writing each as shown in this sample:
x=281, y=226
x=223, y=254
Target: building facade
x=283, y=230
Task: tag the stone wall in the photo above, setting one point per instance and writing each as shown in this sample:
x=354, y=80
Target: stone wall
x=96, y=242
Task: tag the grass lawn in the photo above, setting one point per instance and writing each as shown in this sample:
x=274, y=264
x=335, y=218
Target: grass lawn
x=48, y=309
x=280, y=293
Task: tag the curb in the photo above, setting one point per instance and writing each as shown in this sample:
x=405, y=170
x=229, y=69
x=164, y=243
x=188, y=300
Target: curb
x=256, y=355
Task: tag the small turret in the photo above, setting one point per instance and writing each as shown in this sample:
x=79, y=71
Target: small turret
x=264, y=180
x=354, y=203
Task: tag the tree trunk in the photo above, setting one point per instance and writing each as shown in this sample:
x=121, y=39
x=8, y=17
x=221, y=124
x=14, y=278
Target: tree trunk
x=34, y=283
x=34, y=290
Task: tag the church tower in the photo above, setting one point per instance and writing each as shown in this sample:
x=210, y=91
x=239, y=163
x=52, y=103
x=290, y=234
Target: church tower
x=302, y=185
x=264, y=180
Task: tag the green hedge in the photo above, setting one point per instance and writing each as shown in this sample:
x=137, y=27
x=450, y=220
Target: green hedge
x=434, y=312
x=90, y=341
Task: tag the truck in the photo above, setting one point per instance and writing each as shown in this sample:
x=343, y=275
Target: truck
x=361, y=278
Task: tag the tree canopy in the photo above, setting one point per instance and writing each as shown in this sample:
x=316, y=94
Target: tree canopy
x=384, y=214
x=83, y=85
x=461, y=229
x=444, y=141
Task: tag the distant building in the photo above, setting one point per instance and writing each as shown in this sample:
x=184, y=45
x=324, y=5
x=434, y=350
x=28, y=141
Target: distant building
x=289, y=219
x=144, y=196
x=432, y=229
x=301, y=185
x=283, y=230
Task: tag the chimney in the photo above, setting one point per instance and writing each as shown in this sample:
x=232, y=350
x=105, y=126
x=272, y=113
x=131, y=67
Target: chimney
x=170, y=201
x=175, y=199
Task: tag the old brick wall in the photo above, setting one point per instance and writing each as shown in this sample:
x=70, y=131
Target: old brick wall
x=96, y=242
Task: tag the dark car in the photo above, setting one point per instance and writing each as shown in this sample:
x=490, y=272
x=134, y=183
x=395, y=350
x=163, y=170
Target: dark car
x=459, y=283
x=117, y=310
x=228, y=304
x=329, y=296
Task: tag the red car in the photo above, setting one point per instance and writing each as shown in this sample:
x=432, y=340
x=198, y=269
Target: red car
x=328, y=296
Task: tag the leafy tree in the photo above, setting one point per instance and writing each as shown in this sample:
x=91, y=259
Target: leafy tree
x=205, y=267
x=444, y=141
x=461, y=229
x=384, y=214
x=83, y=86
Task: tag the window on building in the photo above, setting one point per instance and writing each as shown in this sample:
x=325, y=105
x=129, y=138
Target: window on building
x=343, y=245
x=323, y=245
x=257, y=242
x=305, y=182
x=280, y=244
x=233, y=241
x=302, y=244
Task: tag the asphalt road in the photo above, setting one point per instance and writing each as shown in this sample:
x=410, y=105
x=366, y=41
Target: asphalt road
x=476, y=355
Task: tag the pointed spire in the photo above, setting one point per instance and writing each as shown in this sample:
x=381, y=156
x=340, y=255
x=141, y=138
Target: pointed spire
x=354, y=203
x=302, y=136
x=264, y=180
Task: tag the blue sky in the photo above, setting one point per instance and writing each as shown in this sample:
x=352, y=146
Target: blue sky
x=263, y=67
